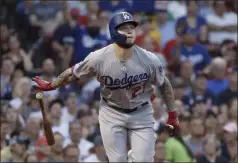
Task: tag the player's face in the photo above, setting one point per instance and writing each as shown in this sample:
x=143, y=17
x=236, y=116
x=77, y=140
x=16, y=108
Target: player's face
x=128, y=29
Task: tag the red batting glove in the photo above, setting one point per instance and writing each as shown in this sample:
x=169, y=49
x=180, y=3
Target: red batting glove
x=42, y=84
x=173, y=124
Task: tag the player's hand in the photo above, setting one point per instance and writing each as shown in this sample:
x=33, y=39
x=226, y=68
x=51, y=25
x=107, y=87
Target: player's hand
x=172, y=125
x=42, y=84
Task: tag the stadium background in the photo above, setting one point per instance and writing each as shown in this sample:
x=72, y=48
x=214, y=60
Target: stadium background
x=196, y=42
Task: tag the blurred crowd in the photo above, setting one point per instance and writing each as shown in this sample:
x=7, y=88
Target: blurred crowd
x=195, y=40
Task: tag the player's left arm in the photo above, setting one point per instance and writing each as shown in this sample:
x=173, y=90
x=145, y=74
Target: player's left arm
x=166, y=91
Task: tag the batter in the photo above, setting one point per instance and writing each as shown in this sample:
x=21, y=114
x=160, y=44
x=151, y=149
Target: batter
x=126, y=73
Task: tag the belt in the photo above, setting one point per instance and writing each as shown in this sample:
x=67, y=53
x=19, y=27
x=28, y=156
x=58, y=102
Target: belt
x=125, y=110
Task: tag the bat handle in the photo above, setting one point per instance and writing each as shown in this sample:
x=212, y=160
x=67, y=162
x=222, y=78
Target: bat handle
x=42, y=109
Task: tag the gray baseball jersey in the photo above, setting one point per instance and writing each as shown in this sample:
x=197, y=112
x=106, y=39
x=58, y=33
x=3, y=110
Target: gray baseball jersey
x=123, y=84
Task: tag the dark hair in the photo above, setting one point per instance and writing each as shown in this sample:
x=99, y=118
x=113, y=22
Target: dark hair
x=73, y=122
x=189, y=1
x=59, y=101
x=69, y=146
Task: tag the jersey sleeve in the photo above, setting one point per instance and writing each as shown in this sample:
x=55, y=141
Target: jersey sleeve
x=157, y=71
x=86, y=68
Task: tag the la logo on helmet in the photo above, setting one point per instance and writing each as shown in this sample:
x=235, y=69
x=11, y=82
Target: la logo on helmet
x=125, y=16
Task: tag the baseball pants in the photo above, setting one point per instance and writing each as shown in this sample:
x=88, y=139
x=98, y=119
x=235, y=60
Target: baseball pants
x=137, y=127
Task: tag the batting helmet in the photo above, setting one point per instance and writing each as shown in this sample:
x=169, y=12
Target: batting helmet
x=117, y=20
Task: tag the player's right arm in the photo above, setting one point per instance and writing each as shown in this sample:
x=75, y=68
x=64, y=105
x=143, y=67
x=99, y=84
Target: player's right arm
x=85, y=68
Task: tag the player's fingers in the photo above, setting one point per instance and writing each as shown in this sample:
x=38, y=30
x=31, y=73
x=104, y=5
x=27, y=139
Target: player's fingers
x=36, y=87
x=36, y=79
x=170, y=126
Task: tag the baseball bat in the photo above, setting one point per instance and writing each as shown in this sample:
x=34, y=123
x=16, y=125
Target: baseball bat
x=46, y=123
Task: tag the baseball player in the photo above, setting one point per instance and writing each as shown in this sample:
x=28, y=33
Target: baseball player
x=126, y=74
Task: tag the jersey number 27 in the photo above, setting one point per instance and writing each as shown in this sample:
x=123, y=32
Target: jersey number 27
x=137, y=90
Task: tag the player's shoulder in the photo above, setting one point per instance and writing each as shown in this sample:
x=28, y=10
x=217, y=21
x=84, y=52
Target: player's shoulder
x=145, y=54
x=100, y=53
x=103, y=51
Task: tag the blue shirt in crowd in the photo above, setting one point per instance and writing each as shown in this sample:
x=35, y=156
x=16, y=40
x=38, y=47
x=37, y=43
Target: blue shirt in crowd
x=197, y=54
x=85, y=44
x=217, y=86
x=200, y=21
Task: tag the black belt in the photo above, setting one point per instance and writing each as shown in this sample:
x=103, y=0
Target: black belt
x=125, y=110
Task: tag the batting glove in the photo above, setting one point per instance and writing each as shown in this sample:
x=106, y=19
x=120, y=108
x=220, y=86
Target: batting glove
x=173, y=124
x=42, y=84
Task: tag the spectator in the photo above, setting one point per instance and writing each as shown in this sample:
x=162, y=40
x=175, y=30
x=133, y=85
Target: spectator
x=176, y=150
x=184, y=120
x=5, y=34
x=71, y=153
x=7, y=69
x=222, y=119
x=218, y=83
x=22, y=21
x=18, y=55
x=32, y=109
x=21, y=94
x=229, y=144
x=4, y=134
x=160, y=152
x=56, y=149
x=205, y=8
x=229, y=51
x=32, y=130
x=187, y=75
x=114, y=6
x=166, y=27
x=197, y=132
x=88, y=39
x=222, y=25
x=63, y=39
x=211, y=152
x=195, y=22
x=18, y=147
x=75, y=132
x=233, y=109
x=30, y=157
x=70, y=111
x=85, y=120
x=104, y=17
x=210, y=123
x=230, y=92
x=14, y=119
x=93, y=7
x=177, y=8
x=42, y=149
x=98, y=153
x=147, y=30
x=178, y=87
x=199, y=108
x=179, y=107
x=191, y=50
x=199, y=89
x=55, y=114
x=46, y=15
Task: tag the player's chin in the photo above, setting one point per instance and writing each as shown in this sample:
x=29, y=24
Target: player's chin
x=130, y=41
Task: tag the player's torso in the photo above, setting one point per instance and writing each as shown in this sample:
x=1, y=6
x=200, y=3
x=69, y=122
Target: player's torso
x=125, y=84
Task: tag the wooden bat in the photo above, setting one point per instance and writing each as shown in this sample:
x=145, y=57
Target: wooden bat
x=46, y=123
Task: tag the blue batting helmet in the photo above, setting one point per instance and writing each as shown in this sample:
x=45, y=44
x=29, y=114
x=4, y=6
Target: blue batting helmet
x=117, y=20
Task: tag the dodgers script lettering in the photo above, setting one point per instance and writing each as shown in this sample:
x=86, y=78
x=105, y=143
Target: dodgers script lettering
x=125, y=82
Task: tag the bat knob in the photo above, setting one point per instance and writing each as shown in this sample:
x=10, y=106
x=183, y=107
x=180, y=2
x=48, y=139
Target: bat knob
x=39, y=95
